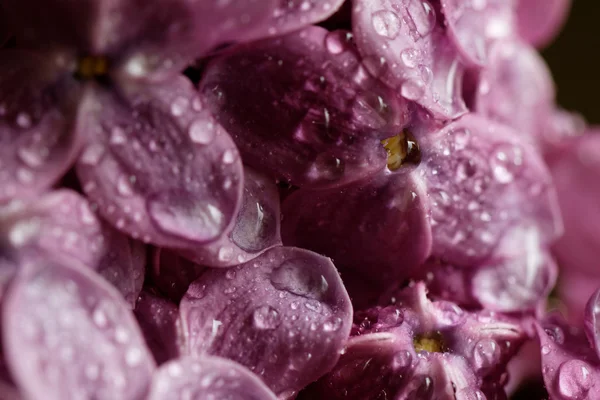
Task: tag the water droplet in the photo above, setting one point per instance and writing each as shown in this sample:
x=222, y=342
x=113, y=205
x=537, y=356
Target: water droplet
x=300, y=277
x=32, y=157
x=334, y=42
x=266, y=317
x=92, y=154
x=123, y=186
x=117, y=135
x=229, y=156
x=197, y=104
x=574, y=379
x=412, y=89
x=333, y=325
x=423, y=16
x=545, y=350
x=402, y=359
x=179, y=106
x=225, y=254
x=386, y=23
x=24, y=175
x=99, y=317
x=202, y=131
x=327, y=166
x=24, y=120
x=486, y=353
x=134, y=356
x=410, y=57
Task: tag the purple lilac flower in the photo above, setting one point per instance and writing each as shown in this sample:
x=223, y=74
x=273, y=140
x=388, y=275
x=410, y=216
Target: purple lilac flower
x=419, y=349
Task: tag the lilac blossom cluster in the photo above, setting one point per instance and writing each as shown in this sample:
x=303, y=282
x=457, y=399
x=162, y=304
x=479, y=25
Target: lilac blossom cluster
x=366, y=199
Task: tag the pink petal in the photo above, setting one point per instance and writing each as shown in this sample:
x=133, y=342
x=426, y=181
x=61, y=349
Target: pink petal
x=403, y=45
x=289, y=303
x=38, y=141
x=158, y=167
x=539, y=21
x=69, y=334
x=474, y=26
x=207, y=378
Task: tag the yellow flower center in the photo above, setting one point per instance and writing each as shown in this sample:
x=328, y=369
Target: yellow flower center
x=402, y=149
x=91, y=67
x=430, y=342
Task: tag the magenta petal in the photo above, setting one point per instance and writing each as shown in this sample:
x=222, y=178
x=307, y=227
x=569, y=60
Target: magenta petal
x=38, y=140
x=516, y=88
x=539, y=21
x=474, y=26
x=256, y=227
x=403, y=45
x=289, y=303
x=157, y=318
x=316, y=116
x=158, y=167
x=69, y=334
x=379, y=229
x=570, y=369
x=172, y=274
x=207, y=378
x=576, y=173
x=574, y=289
x=483, y=179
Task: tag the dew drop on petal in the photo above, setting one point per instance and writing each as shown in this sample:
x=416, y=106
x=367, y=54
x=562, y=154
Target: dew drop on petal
x=412, y=89
x=574, y=379
x=202, y=132
x=265, y=317
x=386, y=23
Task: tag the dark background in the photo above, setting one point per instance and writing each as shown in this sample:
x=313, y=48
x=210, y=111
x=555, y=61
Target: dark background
x=574, y=58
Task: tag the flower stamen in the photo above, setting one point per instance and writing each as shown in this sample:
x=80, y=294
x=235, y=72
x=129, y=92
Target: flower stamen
x=402, y=149
x=92, y=67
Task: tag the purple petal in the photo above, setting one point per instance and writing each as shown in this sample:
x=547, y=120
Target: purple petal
x=539, y=21
x=520, y=275
x=293, y=15
x=516, y=88
x=378, y=229
x=475, y=26
x=402, y=44
x=316, y=116
x=151, y=39
x=289, y=303
x=482, y=180
x=157, y=318
x=123, y=264
x=158, y=167
x=574, y=288
x=207, y=378
x=570, y=370
x=69, y=334
x=38, y=142
x=256, y=228
x=60, y=224
x=576, y=173
x=173, y=274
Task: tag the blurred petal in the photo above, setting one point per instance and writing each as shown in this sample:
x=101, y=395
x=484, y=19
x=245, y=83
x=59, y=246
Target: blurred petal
x=151, y=39
x=38, y=140
x=482, y=180
x=123, y=264
x=316, y=116
x=207, y=378
x=291, y=15
x=403, y=45
x=516, y=88
x=289, y=303
x=569, y=368
x=520, y=275
x=256, y=229
x=157, y=318
x=475, y=26
x=576, y=173
x=574, y=288
x=69, y=334
x=539, y=21
x=158, y=167
x=592, y=321
x=172, y=274
x=379, y=229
